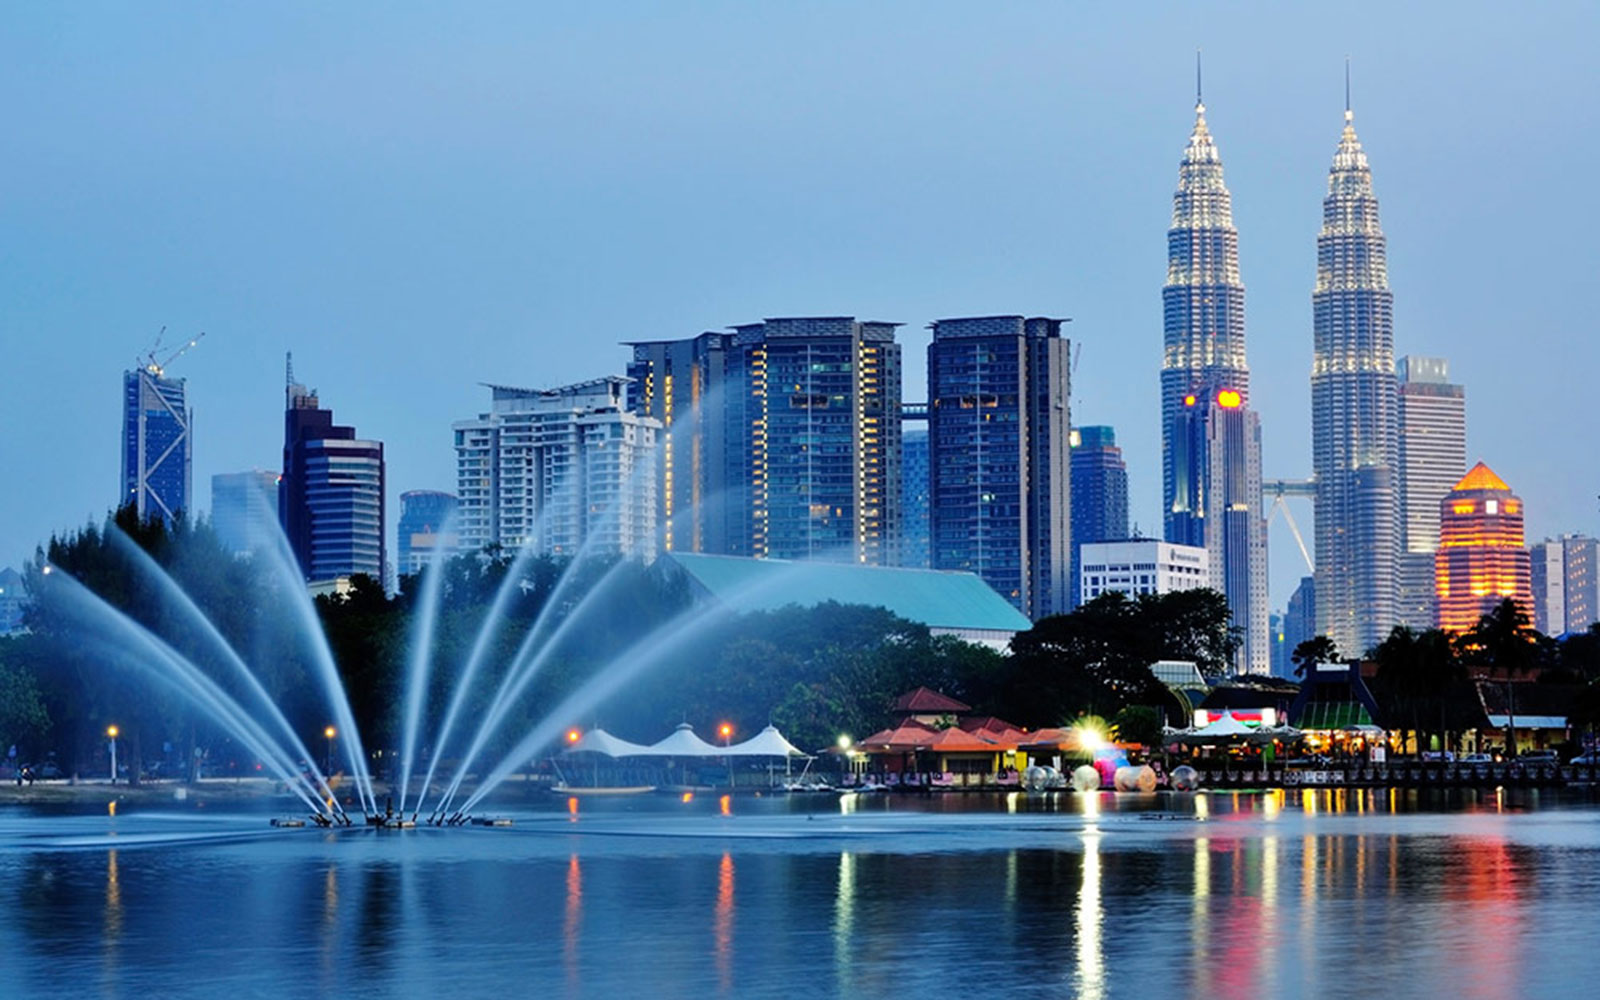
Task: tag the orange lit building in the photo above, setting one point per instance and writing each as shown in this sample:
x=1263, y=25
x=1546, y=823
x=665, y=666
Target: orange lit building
x=1481, y=558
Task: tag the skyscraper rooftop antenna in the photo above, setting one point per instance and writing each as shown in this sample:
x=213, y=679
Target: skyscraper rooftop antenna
x=1199, y=100
x=1348, y=114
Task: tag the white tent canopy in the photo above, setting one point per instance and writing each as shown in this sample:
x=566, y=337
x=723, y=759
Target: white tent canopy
x=684, y=743
x=767, y=743
x=1223, y=728
x=600, y=741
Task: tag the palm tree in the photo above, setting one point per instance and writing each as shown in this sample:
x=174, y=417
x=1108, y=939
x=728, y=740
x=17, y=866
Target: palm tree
x=1505, y=641
x=1318, y=649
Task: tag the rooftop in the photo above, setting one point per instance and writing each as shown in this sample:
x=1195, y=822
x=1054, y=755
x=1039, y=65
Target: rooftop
x=936, y=598
x=1482, y=478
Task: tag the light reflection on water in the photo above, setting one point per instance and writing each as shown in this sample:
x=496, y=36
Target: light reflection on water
x=1210, y=895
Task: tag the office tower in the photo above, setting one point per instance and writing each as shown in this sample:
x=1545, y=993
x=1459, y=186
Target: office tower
x=1142, y=566
x=1300, y=618
x=1000, y=458
x=1354, y=404
x=816, y=470
x=1281, y=667
x=330, y=498
x=1565, y=594
x=915, y=477
x=559, y=469
x=1481, y=559
x=1099, y=495
x=683, y=385
x=1433, y=456
x=244, y=509
x=1211, y=439
x=424, y=517
x=157, y=439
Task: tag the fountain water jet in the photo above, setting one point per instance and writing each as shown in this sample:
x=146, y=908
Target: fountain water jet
x=176, y=597
x=418, y=669
x=195, y=685
x=632, y=662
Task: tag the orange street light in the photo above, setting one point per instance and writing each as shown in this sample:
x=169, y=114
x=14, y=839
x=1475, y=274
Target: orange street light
x=112, y=731
x=573, y=736
x=327, y=760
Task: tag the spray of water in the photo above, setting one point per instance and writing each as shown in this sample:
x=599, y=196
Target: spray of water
x=204, y=628
x=648, y=652
x=277, y=555
x=530, y=657
x=419, y=666
x=139, y=647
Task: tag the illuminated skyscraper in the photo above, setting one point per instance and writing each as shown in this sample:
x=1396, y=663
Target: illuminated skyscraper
x=1354, y=427
x=999, y=459
x=156, y=443
x=1481, y=559
x=1433, y=455
x=1211, y=439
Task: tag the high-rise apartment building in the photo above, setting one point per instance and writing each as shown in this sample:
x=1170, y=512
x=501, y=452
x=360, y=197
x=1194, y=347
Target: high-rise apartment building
x=424, y=528
x=1566, y=588
x=1099, y=494
x=157, y=441
x=916, y=475
x=1211, y=439
x=683, y=385
x=558, y=469
x=1000, y=457
x=781, y=439
x=331, y=494
x=244, y=509
x=1481, y=559
x=1354, y=411
x=1433, y=456
x=817, y=404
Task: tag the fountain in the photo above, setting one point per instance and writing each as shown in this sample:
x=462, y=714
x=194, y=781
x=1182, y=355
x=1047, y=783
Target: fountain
x=219, y=682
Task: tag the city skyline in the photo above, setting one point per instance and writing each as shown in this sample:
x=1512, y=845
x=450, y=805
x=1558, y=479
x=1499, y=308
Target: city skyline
x=196, y=257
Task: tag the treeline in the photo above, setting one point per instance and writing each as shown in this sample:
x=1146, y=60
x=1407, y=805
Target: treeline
x=816, y=672
x=1425, y=680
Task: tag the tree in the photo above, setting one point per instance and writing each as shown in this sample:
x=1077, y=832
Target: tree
x=23, y=718
x=1137, y=724
x=1312, y=651
x=1417, y=673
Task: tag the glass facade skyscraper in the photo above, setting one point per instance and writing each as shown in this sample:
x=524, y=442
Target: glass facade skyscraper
x=244, y=509
x=1211, y=438
x=156, y=443
x=999, y=457
x=915, y=476
x=1354, y=404
x=330, y=498
x=1433, y=456
x=1099, y=495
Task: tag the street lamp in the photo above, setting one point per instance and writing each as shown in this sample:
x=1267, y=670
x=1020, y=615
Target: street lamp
x=327, y=761
x=111, y=733
x=725, y=731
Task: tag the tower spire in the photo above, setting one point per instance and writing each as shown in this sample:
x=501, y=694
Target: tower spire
x=1199, y=99
x=1348, y=114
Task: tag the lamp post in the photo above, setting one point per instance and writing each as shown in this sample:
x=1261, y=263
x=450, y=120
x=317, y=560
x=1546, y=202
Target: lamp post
x=726, y=731
x=111, y=733
x=327, y=761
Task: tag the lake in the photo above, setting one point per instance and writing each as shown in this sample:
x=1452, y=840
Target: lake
x=1218, y=895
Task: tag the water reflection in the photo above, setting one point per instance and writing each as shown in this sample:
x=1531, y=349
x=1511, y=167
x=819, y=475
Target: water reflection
x=1091, y=978
x=723, y=932
x=1269, y=895
x=572, y=921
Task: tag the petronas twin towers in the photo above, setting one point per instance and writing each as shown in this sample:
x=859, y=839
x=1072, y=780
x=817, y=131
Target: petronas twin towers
x=1212, y=438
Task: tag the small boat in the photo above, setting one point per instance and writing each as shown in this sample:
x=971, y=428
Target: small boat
x=804, y=787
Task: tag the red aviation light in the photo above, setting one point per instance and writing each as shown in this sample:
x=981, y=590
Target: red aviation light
x=1229, y=400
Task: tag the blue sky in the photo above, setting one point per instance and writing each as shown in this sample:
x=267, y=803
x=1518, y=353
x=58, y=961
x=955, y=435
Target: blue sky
x=418, y=198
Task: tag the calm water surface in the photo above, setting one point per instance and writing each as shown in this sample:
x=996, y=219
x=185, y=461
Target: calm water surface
x=1224, y=895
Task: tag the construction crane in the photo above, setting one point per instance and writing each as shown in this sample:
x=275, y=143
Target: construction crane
x=158, y=368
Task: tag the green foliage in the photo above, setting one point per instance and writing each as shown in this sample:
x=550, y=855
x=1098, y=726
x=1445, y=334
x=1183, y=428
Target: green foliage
x=1421, y=680
x=1137, y=724
x=23, y=717
x=1097, y=659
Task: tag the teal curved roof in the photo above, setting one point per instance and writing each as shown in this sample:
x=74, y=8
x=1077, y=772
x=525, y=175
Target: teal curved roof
x=936, y=598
